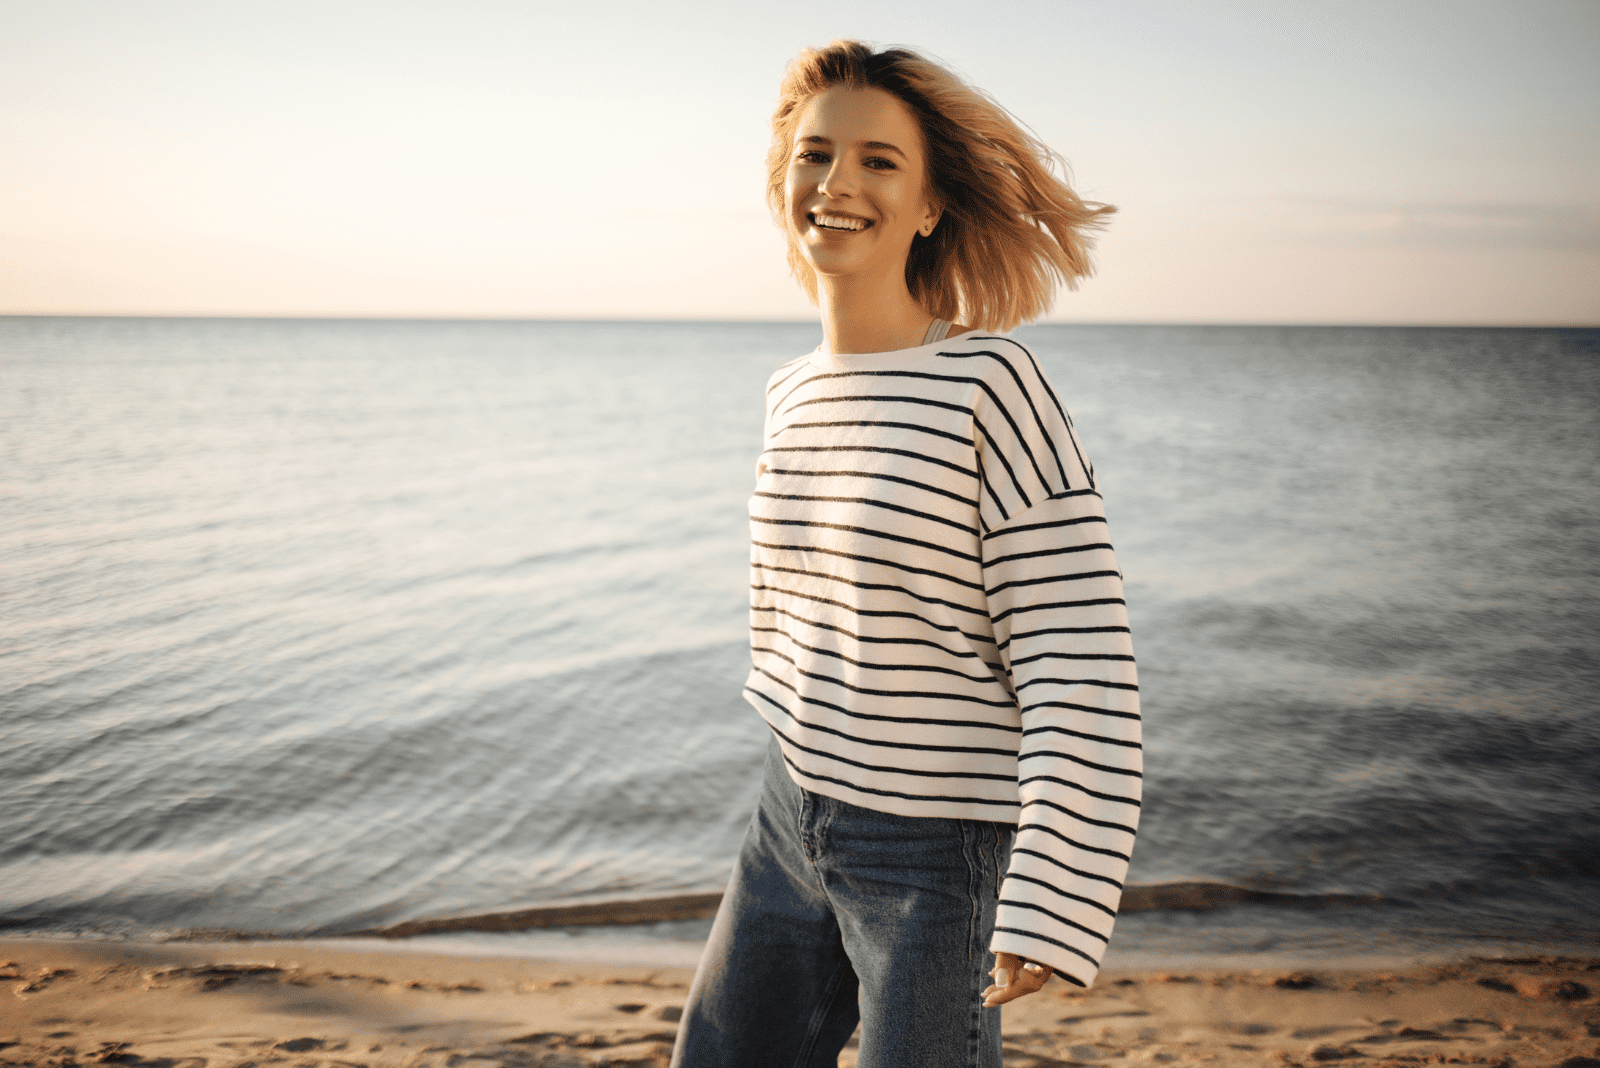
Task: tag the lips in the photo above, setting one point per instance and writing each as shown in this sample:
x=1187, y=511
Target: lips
x=832, y=220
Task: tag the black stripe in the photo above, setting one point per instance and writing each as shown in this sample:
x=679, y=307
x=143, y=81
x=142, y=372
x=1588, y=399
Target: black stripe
x=949, y=629
x=1097, y=877
x=924, y=376
x=1050, y=523
x=894, y=745
x=994, y=498
x=803, y=382
x=1072, y=656
x=874, y=448
x=1058, y=551
x=864, y=560
x=1085, y=682
x=930, y=517
x=929, y=694
x=798, y=365
x=842, y=398
x=1082, y=789
x=1072, y=432
x=875, y=667
x=999, y=454
x=1053, y=729
x=1017, y=434
x=872, y=790
x=865, y=531
x=957, y=438
x=1081, y=708
x=968, y=654
x=873, y=474
x=1090, y=931
x=1057, y=604
x=1072, y=842
x=1124, y=828
x=1068, y=976
x=1016, y=637
x=1040, y=581
x=1091, y=902
x=927, y=720
x=884, y=613
x=1107, y=768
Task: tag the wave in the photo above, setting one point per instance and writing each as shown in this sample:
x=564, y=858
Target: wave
x=1203, y=897
x=1185, y=896
x=588, y=914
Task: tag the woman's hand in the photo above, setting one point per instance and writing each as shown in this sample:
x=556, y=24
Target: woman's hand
x=1014, y=977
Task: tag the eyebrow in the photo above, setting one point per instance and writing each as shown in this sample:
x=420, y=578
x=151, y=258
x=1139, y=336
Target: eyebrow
x=818, y=139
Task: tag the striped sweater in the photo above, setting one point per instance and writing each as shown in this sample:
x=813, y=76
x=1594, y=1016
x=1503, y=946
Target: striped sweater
x=937, y=622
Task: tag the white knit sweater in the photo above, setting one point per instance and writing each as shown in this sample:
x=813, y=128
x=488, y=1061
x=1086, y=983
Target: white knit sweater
x=937, y=622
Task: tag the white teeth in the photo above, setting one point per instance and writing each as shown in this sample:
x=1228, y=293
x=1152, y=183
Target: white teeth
x=839, y=222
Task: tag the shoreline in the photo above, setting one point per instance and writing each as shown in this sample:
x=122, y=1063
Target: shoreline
x=1161, y=897
x=1190, y=896
x=386, y=1004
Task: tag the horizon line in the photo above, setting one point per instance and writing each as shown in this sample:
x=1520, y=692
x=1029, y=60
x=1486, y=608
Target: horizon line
x=425, y=318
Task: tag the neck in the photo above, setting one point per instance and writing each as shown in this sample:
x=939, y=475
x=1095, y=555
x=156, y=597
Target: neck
x=869, y=314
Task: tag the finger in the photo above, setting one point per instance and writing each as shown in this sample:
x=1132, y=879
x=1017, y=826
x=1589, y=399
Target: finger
x=1009, y=963
x=1019, y=988
x=1014, y=979
x=1006, y=967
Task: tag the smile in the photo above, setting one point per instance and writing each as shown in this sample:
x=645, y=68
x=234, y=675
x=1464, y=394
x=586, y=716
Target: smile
x=828, y=221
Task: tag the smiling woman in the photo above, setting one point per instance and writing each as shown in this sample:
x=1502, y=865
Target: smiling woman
x=854, y=201
x=997, y=229
x=939, y=642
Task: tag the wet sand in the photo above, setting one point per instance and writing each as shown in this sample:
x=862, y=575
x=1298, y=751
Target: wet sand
x=308, y=1005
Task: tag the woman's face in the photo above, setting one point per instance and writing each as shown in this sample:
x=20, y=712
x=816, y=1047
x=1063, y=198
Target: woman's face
x=857, y=190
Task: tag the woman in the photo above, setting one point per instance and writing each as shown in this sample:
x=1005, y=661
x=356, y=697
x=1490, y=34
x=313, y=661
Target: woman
x=939, y=640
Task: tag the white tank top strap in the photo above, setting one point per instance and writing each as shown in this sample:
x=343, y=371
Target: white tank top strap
x=937, y=331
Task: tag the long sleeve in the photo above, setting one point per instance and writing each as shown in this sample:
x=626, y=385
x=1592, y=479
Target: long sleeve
x=1061, y=625
x=1054, y=595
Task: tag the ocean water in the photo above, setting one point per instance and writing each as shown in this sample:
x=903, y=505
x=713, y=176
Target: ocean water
x=308, y=627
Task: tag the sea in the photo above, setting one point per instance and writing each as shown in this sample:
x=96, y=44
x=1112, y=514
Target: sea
x=311, y=627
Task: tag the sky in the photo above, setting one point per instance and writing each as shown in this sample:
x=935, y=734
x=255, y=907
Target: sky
x=1273, y=161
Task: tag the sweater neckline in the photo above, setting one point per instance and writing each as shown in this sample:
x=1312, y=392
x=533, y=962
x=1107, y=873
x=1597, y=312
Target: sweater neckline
x=839, y=361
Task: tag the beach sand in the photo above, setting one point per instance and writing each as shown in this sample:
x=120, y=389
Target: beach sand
x=311, y=1005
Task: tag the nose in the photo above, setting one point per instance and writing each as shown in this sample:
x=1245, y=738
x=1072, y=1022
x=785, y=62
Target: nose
x=839, y=181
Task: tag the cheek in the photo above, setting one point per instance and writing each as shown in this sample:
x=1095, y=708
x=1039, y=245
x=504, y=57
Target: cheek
x=789, y=191
x=791, y=218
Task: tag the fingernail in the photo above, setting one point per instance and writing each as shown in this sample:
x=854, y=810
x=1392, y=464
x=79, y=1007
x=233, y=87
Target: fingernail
x=1002, y=977
x=1035, y=968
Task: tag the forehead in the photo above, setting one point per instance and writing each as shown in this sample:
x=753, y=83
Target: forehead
x=845, y=116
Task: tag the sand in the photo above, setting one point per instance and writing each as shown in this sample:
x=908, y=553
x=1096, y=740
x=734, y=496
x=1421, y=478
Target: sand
x=310, y=1005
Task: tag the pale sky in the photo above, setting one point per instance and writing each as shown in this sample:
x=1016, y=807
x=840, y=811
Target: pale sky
x=1342, y=161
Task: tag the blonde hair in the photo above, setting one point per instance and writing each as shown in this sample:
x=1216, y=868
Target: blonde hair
x=1011, y=229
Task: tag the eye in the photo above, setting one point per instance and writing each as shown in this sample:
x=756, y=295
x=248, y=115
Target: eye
x=811, y=155
x=878, y=163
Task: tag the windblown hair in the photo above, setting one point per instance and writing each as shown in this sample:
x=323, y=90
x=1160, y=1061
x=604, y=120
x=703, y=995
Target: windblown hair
x=1011, y=228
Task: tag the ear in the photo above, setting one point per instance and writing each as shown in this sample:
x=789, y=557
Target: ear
x=930, y=219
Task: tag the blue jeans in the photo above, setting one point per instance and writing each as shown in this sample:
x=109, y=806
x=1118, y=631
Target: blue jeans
x=837, y=914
